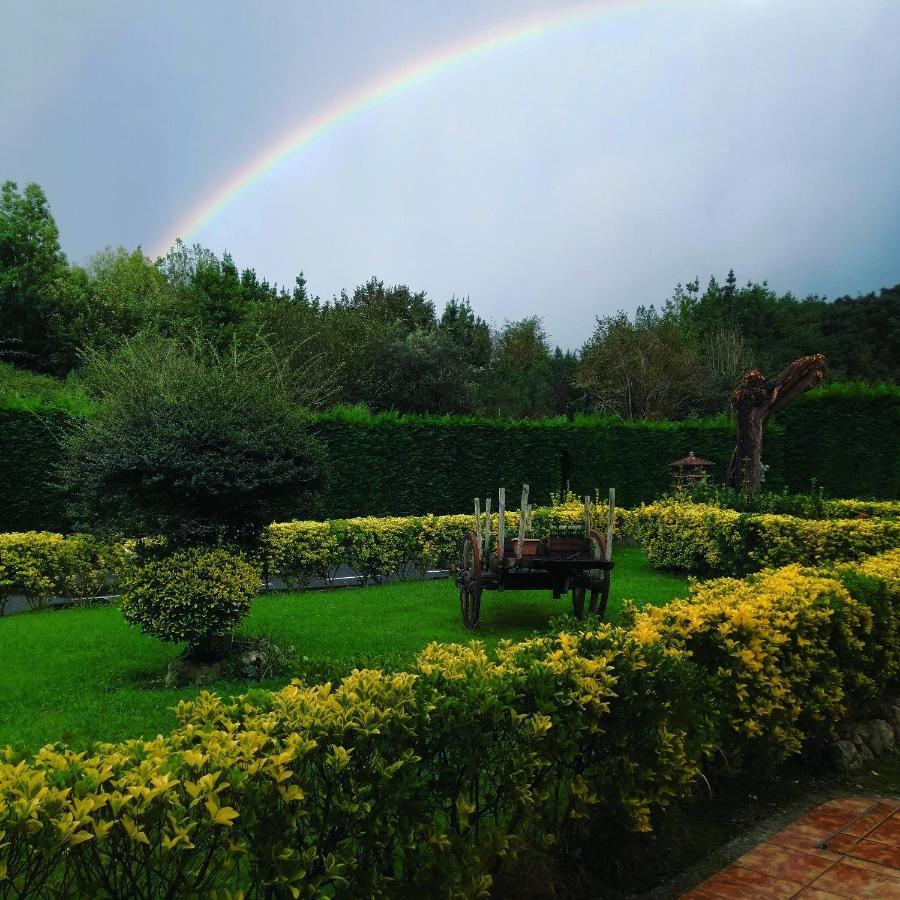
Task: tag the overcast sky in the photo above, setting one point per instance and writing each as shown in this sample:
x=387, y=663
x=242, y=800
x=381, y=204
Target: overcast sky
x=582, y=170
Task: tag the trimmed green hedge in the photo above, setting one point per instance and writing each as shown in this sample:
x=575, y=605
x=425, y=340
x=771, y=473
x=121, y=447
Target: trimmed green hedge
x=847, y=439
x=844, y=438
x=412, y=465
x=28, y=453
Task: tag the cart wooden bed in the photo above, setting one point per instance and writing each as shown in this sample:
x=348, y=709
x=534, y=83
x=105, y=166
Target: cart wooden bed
x=574, y=560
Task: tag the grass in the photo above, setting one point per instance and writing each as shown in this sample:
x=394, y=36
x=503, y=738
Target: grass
x=83, y=675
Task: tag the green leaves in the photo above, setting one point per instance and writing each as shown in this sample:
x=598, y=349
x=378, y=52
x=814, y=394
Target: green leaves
x=191, y=595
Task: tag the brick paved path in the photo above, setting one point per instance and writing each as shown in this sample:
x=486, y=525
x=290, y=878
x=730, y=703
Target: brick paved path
x=841, y=849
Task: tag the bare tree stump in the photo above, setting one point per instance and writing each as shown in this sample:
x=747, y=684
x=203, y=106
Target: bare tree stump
x=754, y=400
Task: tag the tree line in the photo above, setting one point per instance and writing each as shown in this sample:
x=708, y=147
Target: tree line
x=390, y=347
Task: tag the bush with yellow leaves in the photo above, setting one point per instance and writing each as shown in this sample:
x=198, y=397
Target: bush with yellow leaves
x=412, y=784
x=40, y=565
x=298, y=552
x=195, y=595
x=430, y=782
x=701, y=538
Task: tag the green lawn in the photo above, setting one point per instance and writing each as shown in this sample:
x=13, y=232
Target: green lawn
x=83, y=675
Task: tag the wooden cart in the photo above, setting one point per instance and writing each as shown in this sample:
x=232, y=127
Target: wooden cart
x=574, y=560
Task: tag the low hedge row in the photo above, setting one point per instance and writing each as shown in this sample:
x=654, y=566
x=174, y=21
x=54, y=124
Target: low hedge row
x=700, y=538
x=691, y=537
x=42, y=565
x=805, y=506
x=436, y=781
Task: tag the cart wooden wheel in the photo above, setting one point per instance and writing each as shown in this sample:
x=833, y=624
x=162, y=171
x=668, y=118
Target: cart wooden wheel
x=599, y=598
x=470, y=580
x=578, y=602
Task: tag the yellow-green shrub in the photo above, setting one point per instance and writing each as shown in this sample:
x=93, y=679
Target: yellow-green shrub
x=771, y=644
x=778, y=540
x=41, y=565
x=876, y=509
x=690, y=537
x=377, y=547
x=885, y=566
x=700, y=538
x=192, y=596
x=876, y=582
x=440, y=536
x=425, y=783
x=298, y=552
x=412, y=784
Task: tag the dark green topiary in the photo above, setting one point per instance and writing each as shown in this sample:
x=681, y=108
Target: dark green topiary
x=195, y=446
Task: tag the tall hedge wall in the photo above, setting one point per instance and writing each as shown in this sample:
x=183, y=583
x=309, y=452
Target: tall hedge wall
x=28, y=452
x=846, y=438
x=410, y=466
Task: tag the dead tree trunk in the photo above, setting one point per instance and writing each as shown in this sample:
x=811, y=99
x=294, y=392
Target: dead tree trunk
x=754, y=400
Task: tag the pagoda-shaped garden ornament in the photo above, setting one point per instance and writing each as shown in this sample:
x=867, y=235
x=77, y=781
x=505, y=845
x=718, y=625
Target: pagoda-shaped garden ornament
x=690, y=471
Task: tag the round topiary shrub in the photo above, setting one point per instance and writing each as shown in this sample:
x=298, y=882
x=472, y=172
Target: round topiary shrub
x=196, y=595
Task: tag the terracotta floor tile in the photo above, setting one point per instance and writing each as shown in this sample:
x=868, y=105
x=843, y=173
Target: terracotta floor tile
x=855, y=805
x=840, y=842
x=737, y=883
x=847, y=848
x=815, y=894
x=802, y=837
x=871, y=866
x=827, y=819
x=888, y=832
x=864, y=824
x=875, y=851
x=791, y=865
x=860, y=884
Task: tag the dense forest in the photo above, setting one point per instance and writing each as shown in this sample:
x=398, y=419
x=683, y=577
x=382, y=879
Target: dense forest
x=390, y=347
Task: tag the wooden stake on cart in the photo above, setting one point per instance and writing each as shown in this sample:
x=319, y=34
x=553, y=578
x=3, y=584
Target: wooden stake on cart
x=609, y=529
x=529, y=527
x=487, y=531
x=478, y=536
x=587, y=516
x=523, y=515
x=501, y=525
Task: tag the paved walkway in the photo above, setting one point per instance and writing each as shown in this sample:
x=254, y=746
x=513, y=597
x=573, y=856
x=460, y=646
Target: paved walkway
x=841, y=849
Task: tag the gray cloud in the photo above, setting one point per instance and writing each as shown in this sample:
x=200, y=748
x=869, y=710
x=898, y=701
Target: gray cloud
x=568, y=175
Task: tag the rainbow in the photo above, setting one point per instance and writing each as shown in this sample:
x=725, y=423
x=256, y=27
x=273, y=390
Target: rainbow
x=369, y=95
